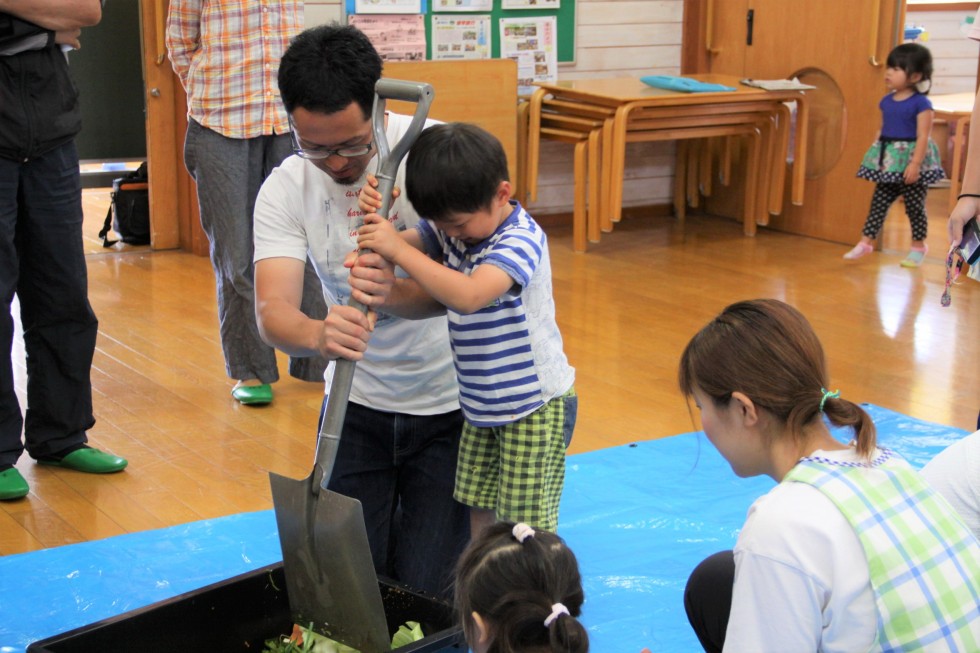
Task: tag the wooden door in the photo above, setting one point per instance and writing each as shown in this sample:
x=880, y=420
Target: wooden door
x=173, y=207
x=840, y=47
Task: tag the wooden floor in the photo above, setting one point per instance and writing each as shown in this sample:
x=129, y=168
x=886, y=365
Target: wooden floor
x=626, y=309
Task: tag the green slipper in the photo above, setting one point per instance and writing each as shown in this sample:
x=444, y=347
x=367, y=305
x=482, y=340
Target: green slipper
x=12, y=485
x=253, y=395
x=88, y=460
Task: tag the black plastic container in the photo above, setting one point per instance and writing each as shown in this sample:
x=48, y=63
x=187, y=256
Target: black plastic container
x=240, y=614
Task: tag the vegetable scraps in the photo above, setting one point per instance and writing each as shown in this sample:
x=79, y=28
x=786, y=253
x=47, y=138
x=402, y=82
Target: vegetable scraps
x=305, y=640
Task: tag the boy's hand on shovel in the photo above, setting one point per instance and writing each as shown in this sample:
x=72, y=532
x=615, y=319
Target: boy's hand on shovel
x=369, y=199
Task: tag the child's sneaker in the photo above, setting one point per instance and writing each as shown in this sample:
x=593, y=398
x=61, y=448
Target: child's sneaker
x=914, y=257
x=859, y=250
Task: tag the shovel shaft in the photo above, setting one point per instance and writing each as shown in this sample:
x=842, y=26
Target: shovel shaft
x=388, y=161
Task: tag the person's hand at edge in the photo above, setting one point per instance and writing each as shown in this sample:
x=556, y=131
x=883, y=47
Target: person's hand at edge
x=69, y=37
x=966, y=208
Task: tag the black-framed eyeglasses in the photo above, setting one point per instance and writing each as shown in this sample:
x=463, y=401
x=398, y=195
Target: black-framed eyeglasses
x=320, y=153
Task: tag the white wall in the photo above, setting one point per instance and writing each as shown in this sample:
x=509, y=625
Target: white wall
x=618, y=38
x=954, y=55
x=319, y=12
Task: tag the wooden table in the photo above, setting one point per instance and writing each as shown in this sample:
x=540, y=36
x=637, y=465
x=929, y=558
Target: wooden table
x=956, y=109
x=624, y=109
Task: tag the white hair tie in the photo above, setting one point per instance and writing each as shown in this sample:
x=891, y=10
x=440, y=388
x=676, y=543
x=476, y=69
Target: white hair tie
x=557, y=610
x=522, y=531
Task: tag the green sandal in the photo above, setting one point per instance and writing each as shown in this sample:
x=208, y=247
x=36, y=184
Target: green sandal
x=253, y=395
x=88, y=460
x=12, y=485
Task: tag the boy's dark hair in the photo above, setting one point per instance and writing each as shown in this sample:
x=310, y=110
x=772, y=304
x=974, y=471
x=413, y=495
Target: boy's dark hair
x=912, y=58
x=514, y=586
x=455, y=167
x=326, y=68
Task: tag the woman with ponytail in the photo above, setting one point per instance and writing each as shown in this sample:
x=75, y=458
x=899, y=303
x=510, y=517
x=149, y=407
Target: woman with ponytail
x=852, y=550
x=519, y=590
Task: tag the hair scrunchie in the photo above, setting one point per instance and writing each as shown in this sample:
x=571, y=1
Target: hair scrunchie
x=827, y=394
x=522, y=531
x=557, y=610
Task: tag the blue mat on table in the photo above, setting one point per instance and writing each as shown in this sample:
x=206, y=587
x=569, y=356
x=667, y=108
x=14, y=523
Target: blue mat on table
x=683, y=84
x=639, y=517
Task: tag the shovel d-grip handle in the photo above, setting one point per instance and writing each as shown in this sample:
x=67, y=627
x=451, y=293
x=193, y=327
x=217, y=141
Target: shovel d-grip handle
x=388, y=161
x=396, y=89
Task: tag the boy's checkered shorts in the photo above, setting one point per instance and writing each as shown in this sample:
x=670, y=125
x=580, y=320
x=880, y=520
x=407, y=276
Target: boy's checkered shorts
x=518, y=469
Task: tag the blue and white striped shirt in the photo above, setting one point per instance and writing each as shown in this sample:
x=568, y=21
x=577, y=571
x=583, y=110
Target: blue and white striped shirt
x=508, y=355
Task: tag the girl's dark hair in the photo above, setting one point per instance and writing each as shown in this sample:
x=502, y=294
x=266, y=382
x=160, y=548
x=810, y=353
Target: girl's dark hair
x=454, y=167
x=513, y=586
x=326, y=68
x=912, y=58
x=767, y=350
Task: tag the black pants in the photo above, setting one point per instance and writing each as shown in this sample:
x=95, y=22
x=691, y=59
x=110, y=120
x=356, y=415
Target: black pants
x=42, y=260
x=915, y=208
x=708, y=599
x=402, y=468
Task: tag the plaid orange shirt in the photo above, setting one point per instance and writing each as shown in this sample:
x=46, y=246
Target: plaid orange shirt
x=226, y=53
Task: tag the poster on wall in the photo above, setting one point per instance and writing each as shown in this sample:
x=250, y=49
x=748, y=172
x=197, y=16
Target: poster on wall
x=462, y=5
x=461, y=37
x=533, y=44
x=388, y=6
x=531, y=4
x=395, y=37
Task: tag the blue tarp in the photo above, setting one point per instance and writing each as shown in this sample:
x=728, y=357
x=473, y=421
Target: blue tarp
x=639, y=517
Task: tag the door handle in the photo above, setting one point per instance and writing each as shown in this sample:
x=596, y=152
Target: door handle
x=709, y=27
x=160, y=16
x=749, y=25
x=875, y=20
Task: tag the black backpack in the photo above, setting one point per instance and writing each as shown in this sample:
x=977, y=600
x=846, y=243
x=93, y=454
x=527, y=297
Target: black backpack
x=129, y=210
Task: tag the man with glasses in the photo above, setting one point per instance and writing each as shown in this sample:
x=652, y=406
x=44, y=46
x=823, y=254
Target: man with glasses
x=226, y=56
x=400, y=439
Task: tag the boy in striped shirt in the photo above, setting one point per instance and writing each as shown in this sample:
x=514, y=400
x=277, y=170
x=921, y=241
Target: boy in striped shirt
x=481, y=256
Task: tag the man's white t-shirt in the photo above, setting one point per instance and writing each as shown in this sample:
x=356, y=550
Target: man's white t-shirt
x=300, y=210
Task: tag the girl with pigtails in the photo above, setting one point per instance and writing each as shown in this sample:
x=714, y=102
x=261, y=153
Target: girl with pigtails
x=519, y=590
x=852, y=550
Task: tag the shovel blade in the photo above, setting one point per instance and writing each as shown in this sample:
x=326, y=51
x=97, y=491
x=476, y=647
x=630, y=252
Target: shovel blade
x=330, y=577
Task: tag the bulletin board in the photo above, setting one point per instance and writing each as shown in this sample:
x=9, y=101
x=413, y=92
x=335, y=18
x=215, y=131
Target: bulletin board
x=564, y=16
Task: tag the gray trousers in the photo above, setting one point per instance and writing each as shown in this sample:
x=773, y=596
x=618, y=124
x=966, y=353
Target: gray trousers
x=229, y=173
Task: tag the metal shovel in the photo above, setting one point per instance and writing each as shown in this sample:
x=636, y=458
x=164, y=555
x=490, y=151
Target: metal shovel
x=330, y=578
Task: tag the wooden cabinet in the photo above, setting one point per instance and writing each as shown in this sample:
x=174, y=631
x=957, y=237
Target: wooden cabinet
x=837, y=45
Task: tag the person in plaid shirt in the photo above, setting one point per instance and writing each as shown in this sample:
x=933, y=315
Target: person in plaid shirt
x=226, y=55
x=852, y=550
